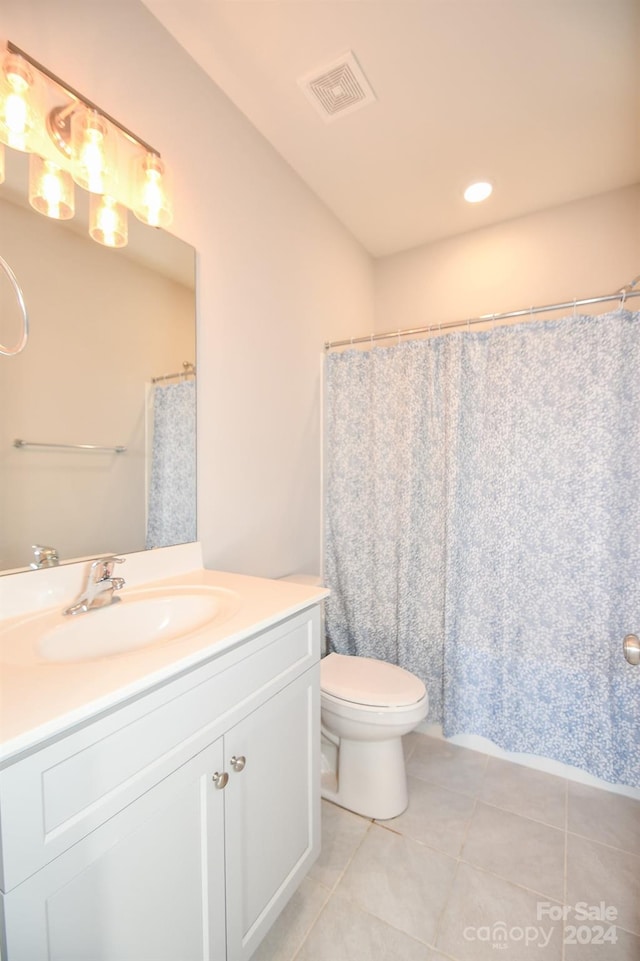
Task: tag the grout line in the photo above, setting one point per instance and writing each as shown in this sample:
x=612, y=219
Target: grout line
x=515, y=884
x=443, y=787
x=634, y=934
x=353, y=854
x=468, y=828
x=611, y=847
x=459, y=861
x=332, y=890
x=353, y=899
x=389, y=924
x=313, y=923
x=527, y=817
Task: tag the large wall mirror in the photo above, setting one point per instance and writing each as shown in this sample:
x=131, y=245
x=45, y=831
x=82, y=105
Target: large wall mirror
x=109, y=328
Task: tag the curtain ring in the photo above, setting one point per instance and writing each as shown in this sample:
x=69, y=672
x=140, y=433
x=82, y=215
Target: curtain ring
x=624, y=297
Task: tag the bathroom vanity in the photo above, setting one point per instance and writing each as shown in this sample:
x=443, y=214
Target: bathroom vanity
x=169, y=812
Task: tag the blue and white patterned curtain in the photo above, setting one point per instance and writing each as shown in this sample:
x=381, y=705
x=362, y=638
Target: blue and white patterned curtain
x=483, y=529
x=172, y=488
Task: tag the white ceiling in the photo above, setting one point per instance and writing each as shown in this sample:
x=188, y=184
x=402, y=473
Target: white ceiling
x=542, y=97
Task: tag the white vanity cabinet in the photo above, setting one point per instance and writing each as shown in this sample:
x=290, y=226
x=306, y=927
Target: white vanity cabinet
x=176, y=827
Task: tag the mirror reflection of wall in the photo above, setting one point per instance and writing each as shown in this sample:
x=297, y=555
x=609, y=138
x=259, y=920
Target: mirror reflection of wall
x=103, y=324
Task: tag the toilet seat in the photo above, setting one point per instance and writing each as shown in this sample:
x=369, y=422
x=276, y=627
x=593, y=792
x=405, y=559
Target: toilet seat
x=376, y=716
x=369, y=682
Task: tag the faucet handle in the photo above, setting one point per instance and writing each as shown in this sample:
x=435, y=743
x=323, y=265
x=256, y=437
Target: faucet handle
x=44, y=557
x=102, y=567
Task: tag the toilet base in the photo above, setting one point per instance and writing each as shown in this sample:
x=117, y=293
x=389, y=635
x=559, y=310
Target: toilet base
x=370, y=777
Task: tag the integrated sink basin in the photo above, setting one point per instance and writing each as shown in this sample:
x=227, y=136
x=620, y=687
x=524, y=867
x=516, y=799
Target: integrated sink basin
x=137, y=619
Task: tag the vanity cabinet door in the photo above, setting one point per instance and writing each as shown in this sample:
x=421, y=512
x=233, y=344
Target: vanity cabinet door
x=272, y=809
x=146, y=886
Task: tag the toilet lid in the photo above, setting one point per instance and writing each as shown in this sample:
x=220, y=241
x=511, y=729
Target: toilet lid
x=364, y=680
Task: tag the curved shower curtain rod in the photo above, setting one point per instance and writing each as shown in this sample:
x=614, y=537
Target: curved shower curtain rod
x=621, y=295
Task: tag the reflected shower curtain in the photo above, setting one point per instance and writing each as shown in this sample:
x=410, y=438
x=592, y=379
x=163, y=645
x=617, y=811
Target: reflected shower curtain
x=172, y=488
x=483, y=529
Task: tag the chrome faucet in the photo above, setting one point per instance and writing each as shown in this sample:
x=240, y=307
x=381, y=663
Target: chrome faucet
x=43, y=557
x=100, y=586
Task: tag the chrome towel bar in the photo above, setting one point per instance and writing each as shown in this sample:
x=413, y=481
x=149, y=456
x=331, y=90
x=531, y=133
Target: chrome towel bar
x=94, y=447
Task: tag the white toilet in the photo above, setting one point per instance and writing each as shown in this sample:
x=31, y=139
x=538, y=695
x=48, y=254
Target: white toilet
x=366, y=707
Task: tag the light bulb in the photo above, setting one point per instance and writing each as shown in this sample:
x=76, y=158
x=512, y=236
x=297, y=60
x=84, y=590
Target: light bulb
x=91, y=149
x=18, y=104
x=108, y=221
x=92, y=159
x=152, y=205
x=50, y=189
x=16, y=115
x=152, y=197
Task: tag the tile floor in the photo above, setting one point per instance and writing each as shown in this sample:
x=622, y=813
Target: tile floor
x=477, y=868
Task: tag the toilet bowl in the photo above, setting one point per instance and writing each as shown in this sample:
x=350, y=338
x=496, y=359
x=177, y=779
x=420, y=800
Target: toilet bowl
x=367, y=706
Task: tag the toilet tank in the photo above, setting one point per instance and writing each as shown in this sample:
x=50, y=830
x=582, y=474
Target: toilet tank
x=313, y=580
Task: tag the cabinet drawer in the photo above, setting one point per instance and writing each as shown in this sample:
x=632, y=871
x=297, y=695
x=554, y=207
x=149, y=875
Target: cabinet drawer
x=59, y=794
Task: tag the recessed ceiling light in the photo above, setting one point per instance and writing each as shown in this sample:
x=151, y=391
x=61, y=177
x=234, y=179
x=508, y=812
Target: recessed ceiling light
x=477, y=192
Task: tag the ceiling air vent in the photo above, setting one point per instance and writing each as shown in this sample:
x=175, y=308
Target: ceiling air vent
x=338, y=88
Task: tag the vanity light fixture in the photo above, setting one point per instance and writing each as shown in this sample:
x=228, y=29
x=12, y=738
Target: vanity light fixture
x=476, y=193
x=71, y=139
x=1, y=163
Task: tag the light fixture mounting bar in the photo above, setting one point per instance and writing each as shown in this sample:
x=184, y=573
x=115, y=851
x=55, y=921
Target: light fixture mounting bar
x=75, y=95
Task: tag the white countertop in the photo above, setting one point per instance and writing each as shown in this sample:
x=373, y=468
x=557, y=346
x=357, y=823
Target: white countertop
x=40, y=699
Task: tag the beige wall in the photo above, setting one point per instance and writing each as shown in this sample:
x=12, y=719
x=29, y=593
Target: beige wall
x=277, y=274
x=101, y=326
x=582, y=249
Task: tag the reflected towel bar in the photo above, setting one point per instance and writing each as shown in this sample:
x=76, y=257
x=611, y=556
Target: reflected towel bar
x=94, y=447
x=188, y=370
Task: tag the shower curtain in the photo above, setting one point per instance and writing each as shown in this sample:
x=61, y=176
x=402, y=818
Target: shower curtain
x=172, y=489
x=483, y=529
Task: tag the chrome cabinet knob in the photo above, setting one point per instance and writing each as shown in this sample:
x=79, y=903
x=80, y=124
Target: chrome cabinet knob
x=631, y=649
x=238, y=763
x=220, y=779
